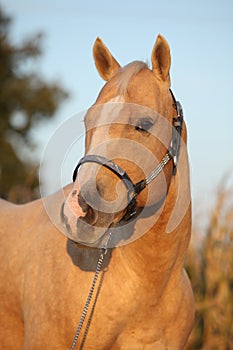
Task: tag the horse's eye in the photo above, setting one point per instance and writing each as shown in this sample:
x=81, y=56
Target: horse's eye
x=144, y=125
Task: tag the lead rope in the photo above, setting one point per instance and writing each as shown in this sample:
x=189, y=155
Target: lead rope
x=92, y=311
x=103, y=252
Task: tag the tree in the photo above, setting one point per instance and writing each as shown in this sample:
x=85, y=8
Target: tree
x=25, y=100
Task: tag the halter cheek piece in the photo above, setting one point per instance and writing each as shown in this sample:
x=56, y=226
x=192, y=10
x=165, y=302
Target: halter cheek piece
x=133, y=190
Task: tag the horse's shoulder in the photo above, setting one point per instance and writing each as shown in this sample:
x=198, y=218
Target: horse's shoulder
x=7, y=213
x=24, y=230
x=19, y=224
x=10, y=212
x=5, y=205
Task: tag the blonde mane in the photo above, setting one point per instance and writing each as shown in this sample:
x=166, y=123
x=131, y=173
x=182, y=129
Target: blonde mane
x=126, y=73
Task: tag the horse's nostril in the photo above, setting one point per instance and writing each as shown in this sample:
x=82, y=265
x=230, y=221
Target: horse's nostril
x=83, y=204
x=91, y=215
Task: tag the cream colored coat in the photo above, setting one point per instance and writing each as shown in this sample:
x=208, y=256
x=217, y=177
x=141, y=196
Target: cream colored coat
x=146, y=301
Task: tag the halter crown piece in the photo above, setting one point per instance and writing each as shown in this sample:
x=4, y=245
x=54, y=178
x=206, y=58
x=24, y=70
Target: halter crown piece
x=133, y=190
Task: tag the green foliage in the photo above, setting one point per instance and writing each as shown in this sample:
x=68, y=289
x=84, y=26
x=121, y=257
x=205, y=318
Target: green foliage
x=25, y=100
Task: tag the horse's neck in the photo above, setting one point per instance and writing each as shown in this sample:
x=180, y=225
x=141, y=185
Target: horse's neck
x=157, y=254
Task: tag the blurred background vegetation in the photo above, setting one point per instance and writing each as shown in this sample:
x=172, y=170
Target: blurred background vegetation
x=210, y=267
x=25, y=100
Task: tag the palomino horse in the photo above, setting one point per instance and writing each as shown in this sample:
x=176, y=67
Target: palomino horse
x=130, y=195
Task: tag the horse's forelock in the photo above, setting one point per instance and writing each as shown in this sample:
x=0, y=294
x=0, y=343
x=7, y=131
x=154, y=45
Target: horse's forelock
x=126, y=73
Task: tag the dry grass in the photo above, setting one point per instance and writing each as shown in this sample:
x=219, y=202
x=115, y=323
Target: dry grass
x=210, y=267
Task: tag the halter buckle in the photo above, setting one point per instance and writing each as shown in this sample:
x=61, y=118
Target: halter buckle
x=174, y=148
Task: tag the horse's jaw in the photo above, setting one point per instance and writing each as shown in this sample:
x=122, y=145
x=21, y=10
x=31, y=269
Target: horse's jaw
x=87, y=228
x=91, y=228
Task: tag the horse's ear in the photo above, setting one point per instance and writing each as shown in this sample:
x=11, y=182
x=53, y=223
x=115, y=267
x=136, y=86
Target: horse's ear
x=105, y=63
x=161, y=59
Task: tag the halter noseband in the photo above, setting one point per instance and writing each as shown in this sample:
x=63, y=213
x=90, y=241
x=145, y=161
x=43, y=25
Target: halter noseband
x=133, y=190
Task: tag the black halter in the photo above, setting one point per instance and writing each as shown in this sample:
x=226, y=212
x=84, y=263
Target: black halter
x=133, y=190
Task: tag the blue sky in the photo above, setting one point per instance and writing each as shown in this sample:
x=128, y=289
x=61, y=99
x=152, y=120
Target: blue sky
x=200, y=36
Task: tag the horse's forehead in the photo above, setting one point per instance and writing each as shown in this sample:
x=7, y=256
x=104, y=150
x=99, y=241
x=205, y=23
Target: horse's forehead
x=138, y=87
x=144, y=83
x=142, y=88
x=128, y=81
x=112, y=110
x=105, y=113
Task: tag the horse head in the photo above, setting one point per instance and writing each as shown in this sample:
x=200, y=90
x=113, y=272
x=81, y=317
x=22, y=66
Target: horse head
x=129, y=130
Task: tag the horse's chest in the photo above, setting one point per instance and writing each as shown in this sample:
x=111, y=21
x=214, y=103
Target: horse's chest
x=54, y=306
